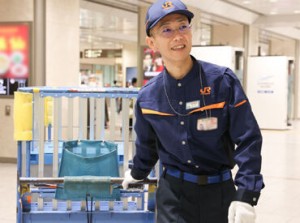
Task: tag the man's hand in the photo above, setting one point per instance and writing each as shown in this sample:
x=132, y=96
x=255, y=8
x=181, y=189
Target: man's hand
x=128, y=179
x=241, y=212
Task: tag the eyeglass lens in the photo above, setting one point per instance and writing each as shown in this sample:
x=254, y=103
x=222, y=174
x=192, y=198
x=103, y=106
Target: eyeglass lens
x=168, y=32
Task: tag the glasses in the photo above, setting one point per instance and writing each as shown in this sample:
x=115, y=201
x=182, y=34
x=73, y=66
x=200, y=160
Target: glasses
x=167, y=32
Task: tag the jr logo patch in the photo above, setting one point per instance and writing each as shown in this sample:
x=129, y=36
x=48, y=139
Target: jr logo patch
x=205, y=91
x=167, y=5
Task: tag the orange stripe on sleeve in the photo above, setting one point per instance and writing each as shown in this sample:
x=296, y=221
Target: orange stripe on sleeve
x=241, y=103
x=153, y=112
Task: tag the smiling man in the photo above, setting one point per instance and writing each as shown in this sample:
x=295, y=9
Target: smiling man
x=196, y=119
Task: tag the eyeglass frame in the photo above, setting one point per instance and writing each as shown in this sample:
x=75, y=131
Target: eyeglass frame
x=173, y=31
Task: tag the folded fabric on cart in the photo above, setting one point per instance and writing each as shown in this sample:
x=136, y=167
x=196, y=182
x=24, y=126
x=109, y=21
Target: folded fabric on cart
x=86, y=166
x=78, y=188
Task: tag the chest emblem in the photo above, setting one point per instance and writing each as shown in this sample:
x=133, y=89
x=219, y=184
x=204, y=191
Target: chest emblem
x=205, y=91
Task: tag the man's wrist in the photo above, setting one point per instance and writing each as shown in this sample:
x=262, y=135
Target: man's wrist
x=250, y=197
x=137, y=174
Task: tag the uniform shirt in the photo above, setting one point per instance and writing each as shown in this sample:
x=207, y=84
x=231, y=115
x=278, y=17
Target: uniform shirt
x=201, y=124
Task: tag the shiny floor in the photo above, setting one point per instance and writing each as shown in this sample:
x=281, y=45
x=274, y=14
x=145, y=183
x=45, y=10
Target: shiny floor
x=279, y=202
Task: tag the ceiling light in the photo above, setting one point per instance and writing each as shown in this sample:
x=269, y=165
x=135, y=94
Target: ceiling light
x=273, y=1
x=297, y=11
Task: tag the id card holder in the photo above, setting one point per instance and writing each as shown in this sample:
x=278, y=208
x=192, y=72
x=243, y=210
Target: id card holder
x=207, y=124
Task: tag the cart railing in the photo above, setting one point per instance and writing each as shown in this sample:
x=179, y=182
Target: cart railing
x=47, y=116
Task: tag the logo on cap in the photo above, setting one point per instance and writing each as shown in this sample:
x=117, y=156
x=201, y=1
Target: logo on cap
x=167, y=5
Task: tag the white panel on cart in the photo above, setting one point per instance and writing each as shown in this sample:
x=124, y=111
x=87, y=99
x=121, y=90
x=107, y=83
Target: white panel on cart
x=267, y=89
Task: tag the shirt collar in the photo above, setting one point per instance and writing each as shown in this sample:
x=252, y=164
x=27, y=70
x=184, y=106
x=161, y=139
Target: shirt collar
x=170, y=82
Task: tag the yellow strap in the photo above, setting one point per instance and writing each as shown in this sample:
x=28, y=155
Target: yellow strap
x=23, y=116
x=48, y=115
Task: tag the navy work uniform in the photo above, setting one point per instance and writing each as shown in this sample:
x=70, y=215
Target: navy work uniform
x=199, y=127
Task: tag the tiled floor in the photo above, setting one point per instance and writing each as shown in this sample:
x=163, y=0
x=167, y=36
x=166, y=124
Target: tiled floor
x=8, y=180
x=279, y=202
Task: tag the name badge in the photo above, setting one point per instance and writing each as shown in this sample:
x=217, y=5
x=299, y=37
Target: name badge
x=192, y=105
x=207, y=124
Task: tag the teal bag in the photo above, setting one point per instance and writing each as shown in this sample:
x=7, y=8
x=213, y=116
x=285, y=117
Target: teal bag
x=87, y=167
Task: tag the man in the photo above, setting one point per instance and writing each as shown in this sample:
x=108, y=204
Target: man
x=133, y=82
x=196, y=119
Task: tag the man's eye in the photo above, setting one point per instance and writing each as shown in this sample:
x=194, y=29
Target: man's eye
x=183, y=27
x=166, y=30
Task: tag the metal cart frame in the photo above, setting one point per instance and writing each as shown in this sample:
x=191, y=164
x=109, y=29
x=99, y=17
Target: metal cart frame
x=75, y=113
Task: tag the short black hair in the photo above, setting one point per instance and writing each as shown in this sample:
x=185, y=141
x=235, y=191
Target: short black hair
x=133, y=80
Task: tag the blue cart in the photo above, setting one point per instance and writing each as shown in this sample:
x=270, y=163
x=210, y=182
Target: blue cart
x=45, y=118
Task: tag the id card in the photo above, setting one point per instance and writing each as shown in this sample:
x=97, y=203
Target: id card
x=207, y=124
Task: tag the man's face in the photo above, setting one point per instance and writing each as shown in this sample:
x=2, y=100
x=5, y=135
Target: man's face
x=172, y=37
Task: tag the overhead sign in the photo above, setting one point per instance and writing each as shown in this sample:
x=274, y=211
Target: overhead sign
x=14, y=51
x=92, y=53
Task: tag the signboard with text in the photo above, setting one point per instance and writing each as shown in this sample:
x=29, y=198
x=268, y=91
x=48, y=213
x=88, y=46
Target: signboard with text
x=14, y=56
x=152, y=63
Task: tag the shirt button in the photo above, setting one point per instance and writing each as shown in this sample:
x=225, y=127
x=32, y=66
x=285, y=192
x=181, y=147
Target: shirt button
x=189, y=161
x=180, y=102
x=179, y=84
x=182, y=123
x=183, y=142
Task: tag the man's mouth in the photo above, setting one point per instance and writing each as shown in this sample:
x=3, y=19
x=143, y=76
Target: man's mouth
x=179, y=47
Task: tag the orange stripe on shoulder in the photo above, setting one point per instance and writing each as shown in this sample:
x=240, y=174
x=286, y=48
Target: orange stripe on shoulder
x=153, y=112
x=241, y=103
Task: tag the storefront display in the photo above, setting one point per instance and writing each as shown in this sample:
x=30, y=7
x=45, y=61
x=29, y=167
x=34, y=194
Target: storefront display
x=14, y=57
x=152, y=64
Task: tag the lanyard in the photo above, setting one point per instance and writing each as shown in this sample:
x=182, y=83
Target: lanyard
x=203, y=98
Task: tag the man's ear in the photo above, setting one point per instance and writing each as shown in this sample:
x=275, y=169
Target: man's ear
x=150, y=43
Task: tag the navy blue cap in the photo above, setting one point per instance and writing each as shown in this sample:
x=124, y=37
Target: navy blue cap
x=162, y=8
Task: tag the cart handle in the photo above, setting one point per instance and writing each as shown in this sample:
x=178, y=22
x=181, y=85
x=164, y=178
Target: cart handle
x=58, y=180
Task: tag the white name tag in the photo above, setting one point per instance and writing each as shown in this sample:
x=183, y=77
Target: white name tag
x=192, y=104
x=206, y=124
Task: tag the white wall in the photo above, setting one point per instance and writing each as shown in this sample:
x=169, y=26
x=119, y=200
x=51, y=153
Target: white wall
x=62, y=54
x=62, y=42
x=8, y=147
x=253, y=41
x=230, y=35
x=11, y=11
x=283, y=47
x=16, y=11
x=130, y=58
x=297, y=81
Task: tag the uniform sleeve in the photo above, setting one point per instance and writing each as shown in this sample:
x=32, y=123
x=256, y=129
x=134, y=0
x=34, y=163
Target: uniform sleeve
x=146, y=153
x=246, y=135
